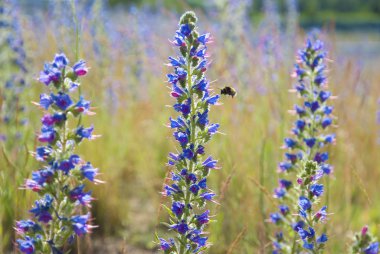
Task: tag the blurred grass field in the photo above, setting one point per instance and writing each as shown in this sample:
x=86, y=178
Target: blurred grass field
x=127, y=50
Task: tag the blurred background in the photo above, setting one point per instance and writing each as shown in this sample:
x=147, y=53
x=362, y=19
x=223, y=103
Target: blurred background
x=126, y=44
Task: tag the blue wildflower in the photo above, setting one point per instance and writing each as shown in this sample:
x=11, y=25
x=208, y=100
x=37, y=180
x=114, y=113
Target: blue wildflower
x=60, y=183
x=322, y=239
x=316, y=189
x=182, y=227
x=26, y=246
x=304, y=203
x=178, y=208
x=373, y=248
x=164, y=245
x=82, y=132
x=62, y=101
x=80, y=68
x=192, y=129
x=275, y=218
x=80, y=224
x=45, y=101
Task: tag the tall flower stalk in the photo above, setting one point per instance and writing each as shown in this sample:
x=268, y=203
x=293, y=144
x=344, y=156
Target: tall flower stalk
x=60, y=182
x=299, y=190
x=189, y=170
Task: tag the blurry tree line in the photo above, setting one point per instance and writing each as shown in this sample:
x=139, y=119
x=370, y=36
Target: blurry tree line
x=308, y=7
x=344, y=14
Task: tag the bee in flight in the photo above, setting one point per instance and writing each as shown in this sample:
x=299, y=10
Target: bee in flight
x=228, y=91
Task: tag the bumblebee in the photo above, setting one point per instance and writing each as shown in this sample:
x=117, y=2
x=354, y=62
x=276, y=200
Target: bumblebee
x=228, y=91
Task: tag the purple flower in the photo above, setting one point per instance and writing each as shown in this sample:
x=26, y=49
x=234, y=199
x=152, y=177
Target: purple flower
x=60, y=61
x=80, y=68
x=321, y=214
x=182, y=227
x=203, y=183
x=209, y=163
x=322, y=239
x=203, y=218
x=80, y=224
x=285, y=166
x=77, y=194
x=177, y=63
x=164, y=244
x=299, y=110
x=47, y=120
x=213, y=100
x=191, y=177
x=300, y=124
x=310, y=142
x=207, y=195
x=82, y=106
x=291, y=157
x=290, y=143
x=298, y=225
x=304, y=203
x=373, y=248
x=326, y=122
x=285, y=183
x=307, y=245
x=324, y=95
x=69, y=164
x=178, y=208
x=204, y=38
x=188, y=154
x=200, y=241
x=279, y=192
x=82, y=132
x=181, y=137
x=43, y=153
x=275, y=218
x=194, y=189
x=202, y=85
x=177, y=124
x=26, y=246
x=41, y=210
x=364, y=230
x=183, y=108
x=316, y=189
x=185, y=29
x=304, y=234
x=284, y=209
x=328, y=139
x=48, y=135
x=321, y=157
x=177, y=91
x=327, y=110
x=45, y=101
x=49, y=74
x=62, y=101
x=42, y=176
x=25, y=226
x=312, y=105
x=203, y=118
x=213, y=128
x=89, y=172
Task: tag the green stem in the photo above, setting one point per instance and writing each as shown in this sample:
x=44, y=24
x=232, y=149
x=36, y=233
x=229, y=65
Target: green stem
x=192, y=141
